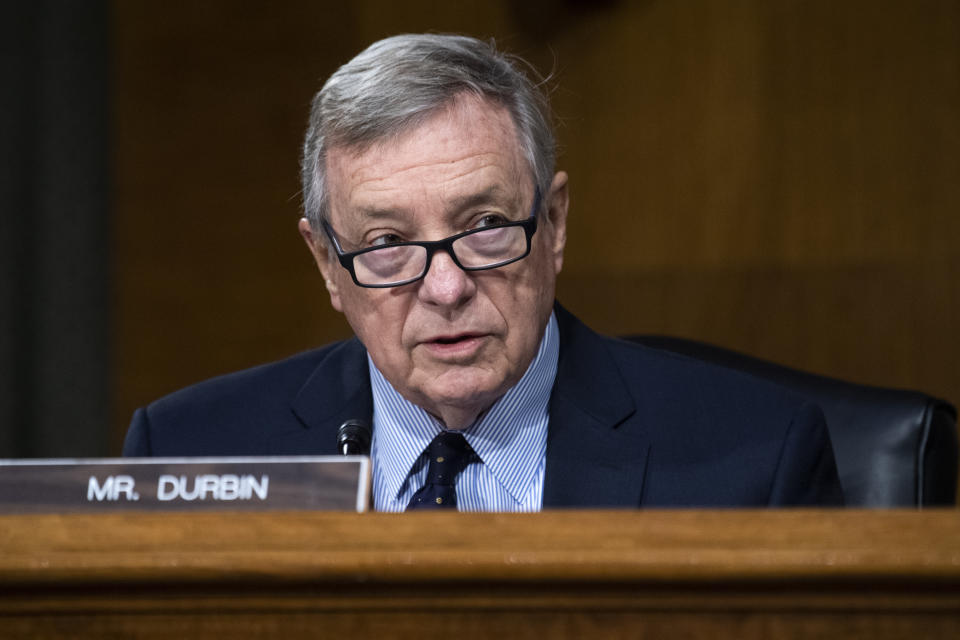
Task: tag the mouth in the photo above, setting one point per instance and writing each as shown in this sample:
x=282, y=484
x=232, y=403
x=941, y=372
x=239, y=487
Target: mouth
x=453, y=339
x=456, y=346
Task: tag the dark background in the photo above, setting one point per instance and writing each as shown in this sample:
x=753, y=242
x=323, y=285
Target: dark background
x=779, y=177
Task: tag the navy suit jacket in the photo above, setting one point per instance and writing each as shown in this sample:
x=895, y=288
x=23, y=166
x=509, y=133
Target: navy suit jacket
x=629, y=425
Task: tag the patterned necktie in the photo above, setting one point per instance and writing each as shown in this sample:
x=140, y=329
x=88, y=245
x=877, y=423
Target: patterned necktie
x=449, y=455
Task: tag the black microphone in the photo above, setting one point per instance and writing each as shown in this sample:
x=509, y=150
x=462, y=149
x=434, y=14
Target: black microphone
x=353, y=438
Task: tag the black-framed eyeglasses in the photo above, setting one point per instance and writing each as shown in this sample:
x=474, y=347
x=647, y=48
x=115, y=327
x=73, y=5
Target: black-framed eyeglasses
x=400, y=263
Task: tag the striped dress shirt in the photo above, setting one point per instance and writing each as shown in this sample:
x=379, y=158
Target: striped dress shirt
x=510, y=441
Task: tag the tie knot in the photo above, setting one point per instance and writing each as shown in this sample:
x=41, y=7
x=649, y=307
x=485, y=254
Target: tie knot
x=449, y=455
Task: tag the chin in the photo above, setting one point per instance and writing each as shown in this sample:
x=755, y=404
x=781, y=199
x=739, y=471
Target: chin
x=466, y=389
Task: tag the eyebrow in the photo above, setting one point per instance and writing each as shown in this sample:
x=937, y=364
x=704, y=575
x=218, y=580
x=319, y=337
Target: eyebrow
x=491, y=194
x=380, y=212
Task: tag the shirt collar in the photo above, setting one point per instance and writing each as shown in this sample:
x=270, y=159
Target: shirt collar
x=503, y=437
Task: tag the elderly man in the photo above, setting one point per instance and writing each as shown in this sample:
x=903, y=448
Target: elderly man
x=434, y=214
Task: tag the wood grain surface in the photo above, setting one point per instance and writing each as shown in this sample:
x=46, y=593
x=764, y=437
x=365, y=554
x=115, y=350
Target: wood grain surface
x=588, y=545
x=567, y=574
x=775, y=177
x=711, y=574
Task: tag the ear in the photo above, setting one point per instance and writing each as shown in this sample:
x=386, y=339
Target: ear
x=558, y=201
x=325, y=261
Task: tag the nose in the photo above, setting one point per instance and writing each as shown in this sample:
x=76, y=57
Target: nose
x=446, y=284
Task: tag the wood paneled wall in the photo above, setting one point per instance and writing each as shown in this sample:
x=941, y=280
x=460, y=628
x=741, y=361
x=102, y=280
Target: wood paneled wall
x=777, y=177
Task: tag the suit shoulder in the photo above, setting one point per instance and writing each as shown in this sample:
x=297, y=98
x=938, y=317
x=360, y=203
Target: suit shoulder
x=769, y=444
x=233, y=414
x=687, y=375
x=719, y=408
x=269, y=379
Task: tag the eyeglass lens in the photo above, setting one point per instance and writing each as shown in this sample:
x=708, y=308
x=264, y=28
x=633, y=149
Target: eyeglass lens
x=480, y=249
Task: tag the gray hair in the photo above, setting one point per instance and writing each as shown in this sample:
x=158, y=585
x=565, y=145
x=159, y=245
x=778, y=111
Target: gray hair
x=398, y=83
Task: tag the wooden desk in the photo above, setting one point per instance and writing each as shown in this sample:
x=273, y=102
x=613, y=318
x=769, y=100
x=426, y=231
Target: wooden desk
x=734, y=574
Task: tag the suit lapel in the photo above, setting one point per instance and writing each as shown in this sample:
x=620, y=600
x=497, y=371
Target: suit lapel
x=590, y=461
x=593, y=460
x=338, y=390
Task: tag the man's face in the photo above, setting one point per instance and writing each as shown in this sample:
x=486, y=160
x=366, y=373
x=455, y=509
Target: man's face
x=454, y=341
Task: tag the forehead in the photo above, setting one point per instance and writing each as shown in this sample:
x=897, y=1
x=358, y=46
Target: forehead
x=468, y=147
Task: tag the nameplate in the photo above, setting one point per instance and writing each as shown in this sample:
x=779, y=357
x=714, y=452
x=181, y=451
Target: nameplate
x=315, y=483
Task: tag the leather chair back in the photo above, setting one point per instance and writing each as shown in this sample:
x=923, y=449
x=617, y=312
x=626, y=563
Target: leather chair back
x=894, y=448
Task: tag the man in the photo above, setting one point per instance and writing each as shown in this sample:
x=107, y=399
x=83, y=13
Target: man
x=434, y=214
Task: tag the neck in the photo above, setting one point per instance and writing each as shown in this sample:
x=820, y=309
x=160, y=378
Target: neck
x=457, y=418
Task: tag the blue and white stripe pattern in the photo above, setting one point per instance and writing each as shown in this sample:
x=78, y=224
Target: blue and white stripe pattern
x=510, y=440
